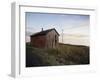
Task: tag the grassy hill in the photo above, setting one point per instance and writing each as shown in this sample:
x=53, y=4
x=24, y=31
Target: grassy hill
x=66, y=54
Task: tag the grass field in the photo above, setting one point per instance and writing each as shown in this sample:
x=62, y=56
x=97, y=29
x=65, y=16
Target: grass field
x=66, y=54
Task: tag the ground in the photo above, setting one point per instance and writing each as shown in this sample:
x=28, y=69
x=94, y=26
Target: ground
x=66, y=54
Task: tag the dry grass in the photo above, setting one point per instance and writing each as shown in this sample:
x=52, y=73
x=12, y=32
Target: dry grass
x=64, y=55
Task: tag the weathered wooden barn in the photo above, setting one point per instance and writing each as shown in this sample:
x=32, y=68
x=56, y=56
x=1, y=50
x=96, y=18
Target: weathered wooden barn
x=45, y=39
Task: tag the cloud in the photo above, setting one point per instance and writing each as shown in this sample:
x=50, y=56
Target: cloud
x=75, y=27
x=77, y=39
x=27, y=38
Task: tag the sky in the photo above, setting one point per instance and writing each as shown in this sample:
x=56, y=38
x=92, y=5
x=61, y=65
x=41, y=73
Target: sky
x=73, y=28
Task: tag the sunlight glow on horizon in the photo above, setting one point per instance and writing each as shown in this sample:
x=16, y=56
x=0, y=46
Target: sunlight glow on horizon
x=75, y=27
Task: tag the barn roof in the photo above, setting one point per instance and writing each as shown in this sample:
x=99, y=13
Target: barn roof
x=44, y=32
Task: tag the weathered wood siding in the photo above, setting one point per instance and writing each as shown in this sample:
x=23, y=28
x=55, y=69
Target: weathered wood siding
x=38, y=41
x=52, y=39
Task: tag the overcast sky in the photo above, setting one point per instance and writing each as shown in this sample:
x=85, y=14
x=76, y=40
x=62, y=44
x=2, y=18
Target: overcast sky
x=75, y=27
